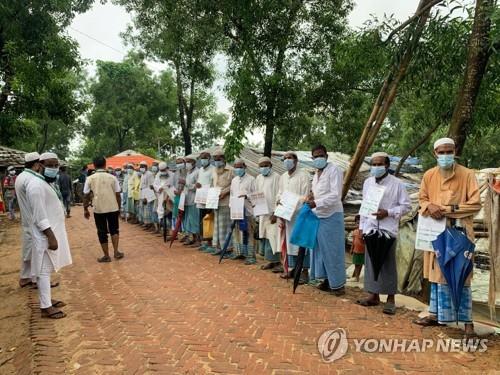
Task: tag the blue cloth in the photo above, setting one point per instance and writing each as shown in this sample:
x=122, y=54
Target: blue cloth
x=305, y=229
x=328, y=256
x=192, y=219
x=441, y=304
x=292, y=260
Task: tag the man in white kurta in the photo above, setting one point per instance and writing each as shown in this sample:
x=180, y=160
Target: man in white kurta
x=298, y=182
x=267, y=182
x=32, y=166
x=50, y=250
x=205, y=179
x=147, y=181
x=242, y=186
x=164, y=189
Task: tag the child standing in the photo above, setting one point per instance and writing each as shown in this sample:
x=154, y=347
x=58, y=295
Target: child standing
x=357, y=250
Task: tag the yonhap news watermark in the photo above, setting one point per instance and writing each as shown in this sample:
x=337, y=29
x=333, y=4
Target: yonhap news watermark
x=333, y=344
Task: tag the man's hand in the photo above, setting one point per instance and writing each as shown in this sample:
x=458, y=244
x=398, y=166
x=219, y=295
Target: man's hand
x=52, y=241
x=381, y=214
x=222, y=195
x=198, y=185
x=86, y=213
x=144, y=201
x=310, y=201
x=273, y=219
x=151, y=187
x=160, y=190
x=435, y=211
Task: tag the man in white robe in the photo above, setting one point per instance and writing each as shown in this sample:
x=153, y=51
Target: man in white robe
x=267, y=182
x=164, y=189
x=298, y=182
x=32, y=167
x=50, y=250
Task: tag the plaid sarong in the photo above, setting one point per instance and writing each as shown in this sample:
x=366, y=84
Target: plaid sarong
x=441, y=304
x=222, y=226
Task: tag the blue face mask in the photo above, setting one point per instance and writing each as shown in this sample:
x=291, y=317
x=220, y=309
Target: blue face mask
x=289, y=164
x=377, y=171
x=240, y=172
x=445, y=161
x=163, y=173
x=319, y=163
x=50, y=172
x=130, y=171
x=142, y=170
x=265, y=171
x=219, y=163
x=154, y=168
x=204, y=162
x=179, y=166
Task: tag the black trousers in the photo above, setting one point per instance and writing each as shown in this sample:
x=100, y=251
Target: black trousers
x=107, y=223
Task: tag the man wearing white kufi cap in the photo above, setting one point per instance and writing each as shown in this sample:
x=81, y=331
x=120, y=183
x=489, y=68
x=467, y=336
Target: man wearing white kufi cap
x=191, y=220
x=164, y=189
x=145, y=206
x=267, y=182
x=449, y=191
x=205, y=179
x=31, y=170
x=9, y=192
x=394, y=203
x=50, y=251
x=179, y=177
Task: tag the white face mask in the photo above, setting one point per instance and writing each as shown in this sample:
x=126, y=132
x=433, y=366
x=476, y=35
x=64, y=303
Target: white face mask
x=189, y=166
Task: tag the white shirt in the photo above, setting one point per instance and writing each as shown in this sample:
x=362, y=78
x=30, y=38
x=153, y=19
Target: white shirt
x=327, y=190
x=395, y=200
x=48, y=212
x=147, y=180
x=190, y=188
x=243, y=186
x=268, y=185
x=206, y=176
x=298, y=183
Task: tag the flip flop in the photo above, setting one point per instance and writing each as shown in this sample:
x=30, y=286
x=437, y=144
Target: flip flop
x=25, y=284
x=119, y=255
x=427, y=322
x=58, y=314
x=367, y=302
x=389, y=308
x=267, y=266
x=104, y=259
x=52, y=285
x=58, y=304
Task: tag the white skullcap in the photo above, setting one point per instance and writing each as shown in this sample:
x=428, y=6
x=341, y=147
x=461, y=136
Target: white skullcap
x=130, y=165
x=239, y=161
x=190, y=157
x=205, y=152
x=143, y=163
x=162, y=165
x=48, y=155
x=179, y=158
x=31, y=156
x=443, y=141
x=264, y=159
x=380, y=154
x=290, y=153
x=218, y=152
x=10, y=167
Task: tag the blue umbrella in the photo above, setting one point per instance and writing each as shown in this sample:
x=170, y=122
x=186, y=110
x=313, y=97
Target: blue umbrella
x=454, y=254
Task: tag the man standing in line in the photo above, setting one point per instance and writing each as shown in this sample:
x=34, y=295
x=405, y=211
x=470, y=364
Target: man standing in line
x=205, y=179
x=163, y=185
x=124, y=187
x=106, y=202
x=267, y=182
x=394, y=204
x=9, y=192
x=64, y=182
x=50, y=250
x=145, y=207
x=191, y=221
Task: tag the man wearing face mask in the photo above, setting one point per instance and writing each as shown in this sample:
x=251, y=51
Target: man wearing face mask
x=106, y=206
x=133, y=195
x=267, y=182
x=164, y=182
x=296, y=181
x=9, y=192
x=205, y=178
x=448, y=190
x=222, y=216
x=154, y=204
x=31, y=168
x=124, y=186
x=146, y=208
x=64, y=182
x=179, y=180
x=394, y=204
x=50, y=251
x=191, y=221
x=242, y=186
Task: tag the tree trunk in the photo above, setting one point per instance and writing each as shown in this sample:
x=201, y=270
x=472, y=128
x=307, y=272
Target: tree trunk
x=414, y=148
x=477, y=59
x=386, y=97
x=186, y=134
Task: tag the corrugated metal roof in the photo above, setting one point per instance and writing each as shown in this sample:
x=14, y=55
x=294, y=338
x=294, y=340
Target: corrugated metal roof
x=10, y=156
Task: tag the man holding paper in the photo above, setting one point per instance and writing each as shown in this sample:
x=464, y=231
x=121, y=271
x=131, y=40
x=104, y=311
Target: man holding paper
x=191, y=221
x=205, y=179
x=164, y=189
x=295, y=181
x=383, y=217
x=222, y=216
x=147, y=202
x=267, y=182
x=328, y=256
x=449, y=191
x=242, y=186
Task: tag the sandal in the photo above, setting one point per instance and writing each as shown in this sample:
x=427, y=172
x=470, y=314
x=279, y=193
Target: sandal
x=267, y=266
x=58, y=304
x=278, y=269
x=104, y=259
x=118, y=255
x=367, y=302
x=25, y=284
x=56, y=314
x=52, y=285
x=427, y=321
x=389, y=308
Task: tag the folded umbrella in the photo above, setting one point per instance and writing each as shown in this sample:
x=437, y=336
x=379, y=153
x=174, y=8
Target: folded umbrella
x=378, y=244
x=297, y=271
x=454, y=253
x=178, y=223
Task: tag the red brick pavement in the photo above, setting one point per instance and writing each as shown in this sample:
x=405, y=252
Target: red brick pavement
x=177, y=311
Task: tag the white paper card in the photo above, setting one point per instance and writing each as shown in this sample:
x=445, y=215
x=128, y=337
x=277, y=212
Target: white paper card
x=182, y=201
x=288, y=205
x=259, y=204
x=212, y=201
x=371, y=201
x=427, y=231
x=148, y=194
x=201, y=195
x=237, y=208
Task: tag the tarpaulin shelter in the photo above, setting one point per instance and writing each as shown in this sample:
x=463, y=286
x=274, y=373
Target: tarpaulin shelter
x=126, y=157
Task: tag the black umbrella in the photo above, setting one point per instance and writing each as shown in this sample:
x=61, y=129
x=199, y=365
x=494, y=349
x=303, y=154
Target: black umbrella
x=227, y=241
x=378, y=245
x=297, y=271
x=164, y=220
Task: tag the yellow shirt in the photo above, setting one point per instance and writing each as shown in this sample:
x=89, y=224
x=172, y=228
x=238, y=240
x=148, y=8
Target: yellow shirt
x=446, y=189
x=134, y=187
x=104, y=187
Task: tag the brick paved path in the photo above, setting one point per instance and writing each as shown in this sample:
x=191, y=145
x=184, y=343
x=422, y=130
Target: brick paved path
x=177, y=311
